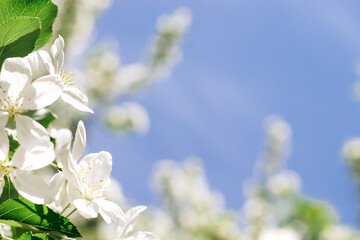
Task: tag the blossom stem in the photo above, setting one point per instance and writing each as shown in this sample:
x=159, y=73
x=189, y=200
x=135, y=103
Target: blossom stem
x=71, y=213
x=65, y=208
x=54, y=165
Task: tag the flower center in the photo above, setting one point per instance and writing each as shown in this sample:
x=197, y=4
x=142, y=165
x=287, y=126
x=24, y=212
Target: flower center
x=90, y=191
x=66, y=78
x=10, y=106
x=4, y=167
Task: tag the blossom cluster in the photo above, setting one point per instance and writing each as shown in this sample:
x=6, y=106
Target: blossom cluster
x=105, y=78
x=29, y=85
x=274, y=208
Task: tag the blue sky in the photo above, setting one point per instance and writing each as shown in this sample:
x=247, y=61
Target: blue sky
x=244, y=60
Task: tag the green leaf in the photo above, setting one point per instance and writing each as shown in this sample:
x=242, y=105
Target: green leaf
x=16, y=232
x=14, y=143
x=18, y=37
x=9, y=191
x=27, y=214
x=45, y=10
x=37, y=236
x=43, y=116
x=13, y=29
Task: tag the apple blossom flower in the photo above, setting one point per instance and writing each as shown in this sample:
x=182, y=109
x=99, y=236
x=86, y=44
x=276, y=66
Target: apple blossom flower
x=28, y=185
x=43, y=63
x=63, y=139
x=130, y=220
x=19, y=95
x=87, y=179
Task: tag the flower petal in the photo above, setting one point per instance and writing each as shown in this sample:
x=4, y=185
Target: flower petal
x=42, y=92
x=57, y=185
x=40, y=63
x=4, y=144
x=31, y=134
x=85, y=208
x=57, y=54
x=110, y=211
x=2, y=184
x=70, y=169
x=76, y=98
x=4, y=116
x=63, y=138
x=33, y=159
x=15, y=74
x=97, y=167
x=131, y=217
x=31, y=186
x=79, y=141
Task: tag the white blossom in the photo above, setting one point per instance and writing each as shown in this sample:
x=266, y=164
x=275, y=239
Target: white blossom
x=42, y=62
x=130, y=220
x=87, y=179
x=19, y=95
x=27, y=184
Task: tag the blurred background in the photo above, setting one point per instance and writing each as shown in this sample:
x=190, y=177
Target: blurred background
x=248, y=102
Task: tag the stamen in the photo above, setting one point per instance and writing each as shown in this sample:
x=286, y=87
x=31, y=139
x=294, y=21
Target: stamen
x=66, y=78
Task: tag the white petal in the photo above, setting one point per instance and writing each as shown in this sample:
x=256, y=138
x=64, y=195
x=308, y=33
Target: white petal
x=33, y=159
x=3, y=97
x=57, y=185
x=97, y=167
x=76, y=98
x=4, y=116
x=63, y=138
x=110, y=211
x=2, y=183
x=131, y=217
x=134, y=212
x=70, y=169
x=4, y=144
x=30, y=133
x=79, y=141
x=31, y=186
x=42, y=92
x=57, y=54
x=15, y=74
x=40, y=63
x=85, y=208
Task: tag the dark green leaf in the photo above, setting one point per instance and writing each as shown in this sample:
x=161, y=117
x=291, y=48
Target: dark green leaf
x=27, y=214
x=43, y=116
x=18, y=37
x=45, y=10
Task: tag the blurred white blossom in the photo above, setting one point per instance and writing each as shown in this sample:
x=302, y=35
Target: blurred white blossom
x=339, y=232
x=127, y=117
x=279, y=234
x=277, y=144
x=284, y=182
x=132, y=77
x=165, y=51
x=351, y=151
